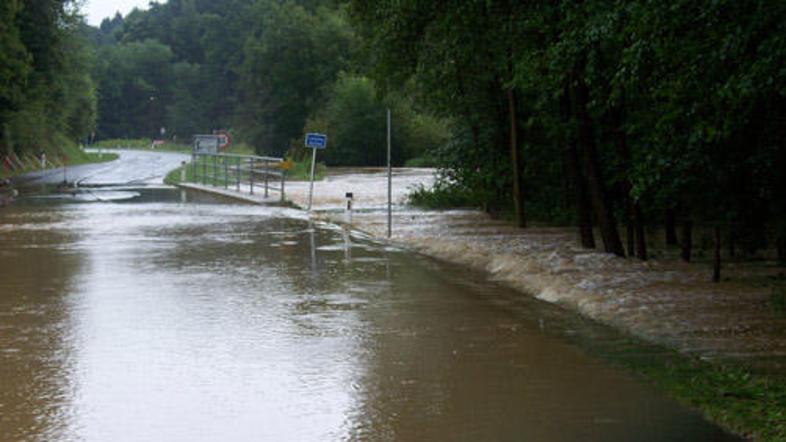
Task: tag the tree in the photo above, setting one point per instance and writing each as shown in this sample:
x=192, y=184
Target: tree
x=291, y=58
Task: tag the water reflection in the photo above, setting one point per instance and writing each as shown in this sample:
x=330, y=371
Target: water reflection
x=171, y=321
x=36, y=331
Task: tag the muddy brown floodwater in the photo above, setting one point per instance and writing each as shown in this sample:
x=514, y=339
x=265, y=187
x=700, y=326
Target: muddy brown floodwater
x=155, y=320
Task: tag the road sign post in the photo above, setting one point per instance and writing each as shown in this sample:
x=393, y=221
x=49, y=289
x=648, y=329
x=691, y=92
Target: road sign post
x=390, y=184
x=314, y=141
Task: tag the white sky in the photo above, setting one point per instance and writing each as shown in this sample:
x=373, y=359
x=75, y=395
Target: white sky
x=97, y=10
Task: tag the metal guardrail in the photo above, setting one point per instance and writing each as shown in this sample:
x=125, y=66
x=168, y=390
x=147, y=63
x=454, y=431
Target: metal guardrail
x=259, y=173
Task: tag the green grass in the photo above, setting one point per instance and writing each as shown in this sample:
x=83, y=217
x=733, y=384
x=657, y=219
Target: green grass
x=301, y=171
x=424, y=161
x=174, y=176
x=744, y=402
x=748, y=404
x=141, y=144
x=441, y=196
x=95, y=158
x=147, y=144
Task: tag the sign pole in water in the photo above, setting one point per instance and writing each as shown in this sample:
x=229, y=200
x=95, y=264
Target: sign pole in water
x=390, y=185
x=314, y=141
x=311, y=185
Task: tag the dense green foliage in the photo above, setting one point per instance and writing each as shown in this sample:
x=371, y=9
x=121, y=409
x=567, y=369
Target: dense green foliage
x=265, y=69
x=47, y=96
x=603, y=113
x=634, y=111
x=354, y=118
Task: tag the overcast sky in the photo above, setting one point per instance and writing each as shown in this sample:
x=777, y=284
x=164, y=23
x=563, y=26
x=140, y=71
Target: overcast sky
x=97, y=10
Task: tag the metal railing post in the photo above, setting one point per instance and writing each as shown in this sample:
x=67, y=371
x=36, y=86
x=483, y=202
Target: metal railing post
x=283, y=180
x=251, y=175
x=226, y=174
x=246, y=169
x=215, y=171
x=267, y=177
x=237, y=173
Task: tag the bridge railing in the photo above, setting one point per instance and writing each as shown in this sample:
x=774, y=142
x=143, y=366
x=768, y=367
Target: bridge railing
x=251, y=173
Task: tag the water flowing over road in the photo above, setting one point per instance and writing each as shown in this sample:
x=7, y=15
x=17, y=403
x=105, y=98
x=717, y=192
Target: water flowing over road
x=133, y=167
x=153, y=319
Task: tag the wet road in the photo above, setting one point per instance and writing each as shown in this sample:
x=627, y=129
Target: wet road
x=132, y=167
x=151, y=319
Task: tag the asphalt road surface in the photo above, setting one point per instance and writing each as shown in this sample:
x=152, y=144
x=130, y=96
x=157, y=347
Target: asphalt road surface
x=133, y=167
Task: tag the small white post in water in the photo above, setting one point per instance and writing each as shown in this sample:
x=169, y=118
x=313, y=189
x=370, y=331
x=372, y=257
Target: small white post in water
x=348, y=212
x=182, y=171
x=390, y=185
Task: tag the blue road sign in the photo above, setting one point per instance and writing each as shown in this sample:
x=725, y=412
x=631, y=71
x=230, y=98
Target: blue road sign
x=316, y=141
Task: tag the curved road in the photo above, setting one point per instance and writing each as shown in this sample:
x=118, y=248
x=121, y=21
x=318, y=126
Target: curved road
x=132, y=167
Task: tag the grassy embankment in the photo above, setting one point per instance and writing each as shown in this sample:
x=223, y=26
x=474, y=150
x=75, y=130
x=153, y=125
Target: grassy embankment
x=746, y=403
x=68, y=154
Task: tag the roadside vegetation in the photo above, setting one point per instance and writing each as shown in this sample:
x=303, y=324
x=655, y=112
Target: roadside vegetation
x=47, y=92
x=442, y=195
x=744, y=402
x=141, y=144
x=243, y=75
x=53, y=158
x=610, y=115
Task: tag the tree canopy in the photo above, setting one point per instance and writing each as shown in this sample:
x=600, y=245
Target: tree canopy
x=47, y=95
x=602, y=113
x=633, y=110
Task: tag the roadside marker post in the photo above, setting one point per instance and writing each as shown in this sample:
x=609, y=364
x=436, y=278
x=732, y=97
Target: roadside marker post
x=314, y=141
x=348, y=213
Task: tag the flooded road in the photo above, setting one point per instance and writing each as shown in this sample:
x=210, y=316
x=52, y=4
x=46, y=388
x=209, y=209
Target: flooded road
x=133, y=167
x=150, y=319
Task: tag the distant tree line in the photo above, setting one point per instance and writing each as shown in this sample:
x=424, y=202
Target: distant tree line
x=265, y=69
x=638, y=113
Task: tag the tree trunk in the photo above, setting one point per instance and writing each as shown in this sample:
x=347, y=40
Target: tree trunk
x=716, y=261
x=671, y=228
x=572, y=160
x=635, y=224
x=780, y=245
x=630, y=236
x=641, y=240
x=687, y=240
x=597, y=191
x=518, y=200
x=732, y=245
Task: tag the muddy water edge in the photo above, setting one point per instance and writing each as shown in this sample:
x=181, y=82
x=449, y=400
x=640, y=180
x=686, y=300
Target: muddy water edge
x=146, y=318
